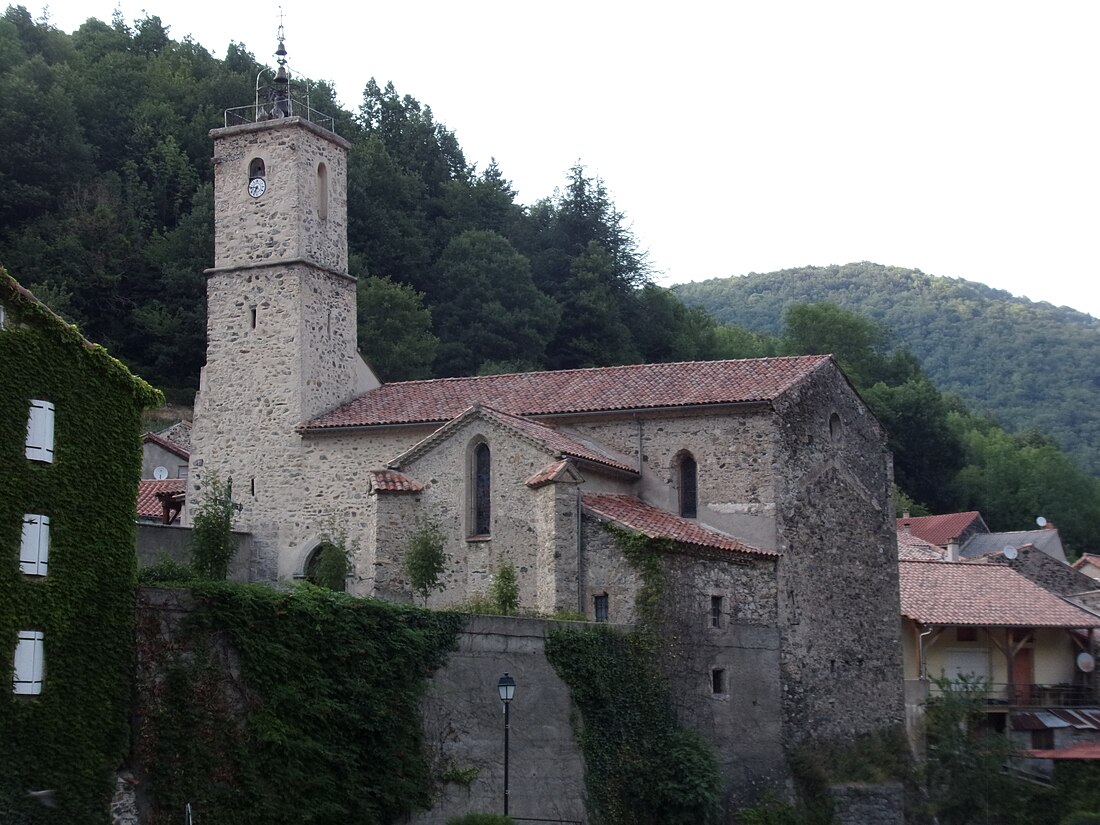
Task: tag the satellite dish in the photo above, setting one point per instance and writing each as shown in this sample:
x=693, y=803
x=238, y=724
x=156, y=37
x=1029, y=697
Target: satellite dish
x=1010, y=552
x=1042, y=522
x=160, y=473
x=1085, y=662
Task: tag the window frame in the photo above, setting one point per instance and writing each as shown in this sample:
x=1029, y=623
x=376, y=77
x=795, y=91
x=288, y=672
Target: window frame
x=480, y=491
x=687, y=485
x=601, y=607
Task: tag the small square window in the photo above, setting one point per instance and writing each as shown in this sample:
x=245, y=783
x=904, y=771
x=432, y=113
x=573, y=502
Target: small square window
x=34, y=548
x=718, y=680
x=716, y=611
x=29, y=663
x=40, y=432
x=181, y=471
x=600, y=604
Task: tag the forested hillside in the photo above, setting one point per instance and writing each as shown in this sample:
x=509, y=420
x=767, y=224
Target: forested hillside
x=1032, y=365
x=106, y=215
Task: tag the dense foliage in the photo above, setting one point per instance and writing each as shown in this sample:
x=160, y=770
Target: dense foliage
x=71, y=738
x=212, y=541
x=262, y=692
x=107, y=215
x=1032, y=365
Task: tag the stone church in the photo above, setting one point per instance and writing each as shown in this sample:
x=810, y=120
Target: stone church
x=769, y=477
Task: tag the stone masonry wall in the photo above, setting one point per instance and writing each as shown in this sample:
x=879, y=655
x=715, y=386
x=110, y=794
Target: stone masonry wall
x=839, y=604
x=284, y=223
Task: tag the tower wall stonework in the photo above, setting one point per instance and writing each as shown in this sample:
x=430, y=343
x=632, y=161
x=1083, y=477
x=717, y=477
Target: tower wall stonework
x=285, y=222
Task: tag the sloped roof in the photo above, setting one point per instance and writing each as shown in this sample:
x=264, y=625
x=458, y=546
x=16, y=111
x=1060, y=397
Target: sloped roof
x=391, y=481
x=939, y=530
x=549, y=439
x=636, y=515
x=917, y=549
x=550, y=473
x=1087, y=558
x=166, y=444
x=148, y=505
x=598, y=389
x=1046, y=540
x=982, y=595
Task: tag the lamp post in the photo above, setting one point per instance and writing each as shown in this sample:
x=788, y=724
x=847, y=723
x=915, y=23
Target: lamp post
x=506, y=687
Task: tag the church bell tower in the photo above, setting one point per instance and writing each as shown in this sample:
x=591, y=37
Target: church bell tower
x=281, y=315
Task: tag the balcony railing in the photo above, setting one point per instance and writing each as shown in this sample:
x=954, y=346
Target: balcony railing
x=1030, y=695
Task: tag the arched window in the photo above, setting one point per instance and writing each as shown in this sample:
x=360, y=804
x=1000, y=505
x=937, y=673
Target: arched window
x=322, y=191
x=256, y=169
x=688, y=485
x=481, y=492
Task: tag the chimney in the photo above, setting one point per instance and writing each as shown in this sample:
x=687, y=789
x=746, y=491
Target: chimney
x=953, y=549
x=905, y=514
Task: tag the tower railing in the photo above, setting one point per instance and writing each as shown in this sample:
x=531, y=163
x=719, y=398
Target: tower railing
x=277, y=109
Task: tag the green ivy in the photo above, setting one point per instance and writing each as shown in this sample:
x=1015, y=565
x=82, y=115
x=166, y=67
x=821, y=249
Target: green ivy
x=73, y=737
x=641, y=768
x=319, y=722
x=644, y=554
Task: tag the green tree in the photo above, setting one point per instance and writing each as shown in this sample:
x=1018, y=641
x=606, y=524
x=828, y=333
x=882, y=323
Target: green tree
x=395, y=329
x=425, y=559
x=212, y=541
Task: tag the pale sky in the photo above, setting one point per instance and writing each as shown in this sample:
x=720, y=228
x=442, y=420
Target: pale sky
x=959, y=138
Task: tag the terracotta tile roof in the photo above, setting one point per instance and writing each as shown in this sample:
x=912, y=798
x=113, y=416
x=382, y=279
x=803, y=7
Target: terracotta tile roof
x=636, y=515
x=550, y=439
x=148, y=505
x=572, y=391
x=916, y=549
x=391, y=481
x=166, y=444
x=983, y=595
x=939, y=530
x=548, y=474
x=1082, y=750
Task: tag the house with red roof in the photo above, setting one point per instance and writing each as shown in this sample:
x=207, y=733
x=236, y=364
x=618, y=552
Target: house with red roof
x=1032, y=648
x=746, y=478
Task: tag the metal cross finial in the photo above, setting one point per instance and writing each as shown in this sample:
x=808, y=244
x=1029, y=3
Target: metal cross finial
x=281, y=51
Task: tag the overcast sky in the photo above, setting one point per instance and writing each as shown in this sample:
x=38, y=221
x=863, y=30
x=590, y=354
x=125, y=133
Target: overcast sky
x=959, y=138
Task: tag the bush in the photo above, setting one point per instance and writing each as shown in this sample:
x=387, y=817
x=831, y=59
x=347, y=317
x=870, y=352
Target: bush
x=504, y=591
x=425, y=560
x=212, y=541
x=167, y=571
x=482, y=819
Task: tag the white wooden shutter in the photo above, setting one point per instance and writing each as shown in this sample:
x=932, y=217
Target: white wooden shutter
x=34, y=550
x=40, y=431
x=29, y=663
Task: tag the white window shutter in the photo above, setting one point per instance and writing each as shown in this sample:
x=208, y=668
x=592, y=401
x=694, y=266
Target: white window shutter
x=34, y=550
x=29, y=663
x=40, y=431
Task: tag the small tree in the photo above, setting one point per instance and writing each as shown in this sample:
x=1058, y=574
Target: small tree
x=329, y=566
x=425, y=560
x=504, y=591
x=212, y=541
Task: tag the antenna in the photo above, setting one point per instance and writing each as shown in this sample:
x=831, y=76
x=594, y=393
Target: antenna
x=160, y=473
x=1010, y=552
x=1042, y=522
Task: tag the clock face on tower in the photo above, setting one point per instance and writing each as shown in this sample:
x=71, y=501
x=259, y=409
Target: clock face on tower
x=256, y=187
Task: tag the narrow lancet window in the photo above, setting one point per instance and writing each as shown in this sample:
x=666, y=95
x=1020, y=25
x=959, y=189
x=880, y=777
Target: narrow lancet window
x=689, y=493
x=482, y=489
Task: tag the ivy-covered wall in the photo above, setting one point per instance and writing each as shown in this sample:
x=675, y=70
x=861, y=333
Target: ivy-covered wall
x=263, y=706
x=72, y=737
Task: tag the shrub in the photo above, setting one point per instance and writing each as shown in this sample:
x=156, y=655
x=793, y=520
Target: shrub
x=504, y=591
x=167, y=571
x=425, y=560
x=212, y=541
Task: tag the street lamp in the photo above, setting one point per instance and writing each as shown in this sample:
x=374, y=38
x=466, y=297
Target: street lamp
x=506, y=687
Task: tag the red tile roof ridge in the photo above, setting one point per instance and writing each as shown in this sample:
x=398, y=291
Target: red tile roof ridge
x=582, y=390
x=634, y=514
x=1086, y=558
x=166, y=444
